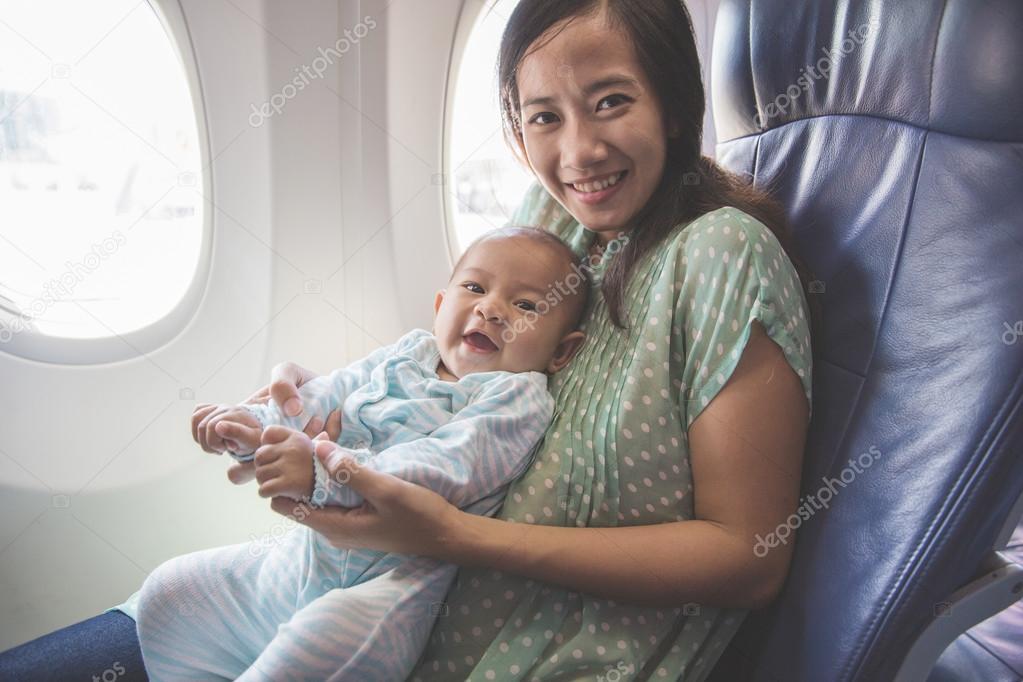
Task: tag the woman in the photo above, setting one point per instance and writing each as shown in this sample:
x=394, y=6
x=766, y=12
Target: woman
x=628, y=550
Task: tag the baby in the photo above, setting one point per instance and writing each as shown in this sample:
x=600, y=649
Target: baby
x=460, y=411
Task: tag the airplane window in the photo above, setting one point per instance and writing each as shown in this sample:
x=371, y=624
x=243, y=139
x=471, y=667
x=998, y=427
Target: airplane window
x=101, y=206
x=487, y=181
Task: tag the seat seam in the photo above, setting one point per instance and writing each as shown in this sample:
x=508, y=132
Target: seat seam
x=854, y=664
x=898, y=121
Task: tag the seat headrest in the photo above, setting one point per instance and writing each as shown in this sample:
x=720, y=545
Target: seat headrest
x=954, y=67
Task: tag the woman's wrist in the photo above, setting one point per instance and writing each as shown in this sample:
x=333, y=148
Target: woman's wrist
x=457, y=541
x=473, y=540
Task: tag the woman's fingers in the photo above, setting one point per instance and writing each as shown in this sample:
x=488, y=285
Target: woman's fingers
x=372, y=485
x=334, y=425
x=314, y=426
x=285, y=380
x=262, y=396
x=338, y=524
x=396, y=516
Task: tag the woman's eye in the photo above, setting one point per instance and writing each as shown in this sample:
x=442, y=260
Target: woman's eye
x=609, y=98
x=474, y=288
x=526, y=305
x=536, y=118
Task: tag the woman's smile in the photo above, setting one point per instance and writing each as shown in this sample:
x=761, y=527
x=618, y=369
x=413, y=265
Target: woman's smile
x=596, y=192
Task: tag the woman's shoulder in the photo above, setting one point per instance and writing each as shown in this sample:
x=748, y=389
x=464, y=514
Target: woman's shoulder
x=725, y=228
x=726, y=241
x=732, y=271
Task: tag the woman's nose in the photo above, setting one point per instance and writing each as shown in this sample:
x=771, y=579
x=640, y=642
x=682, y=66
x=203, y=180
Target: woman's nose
x=582, y=146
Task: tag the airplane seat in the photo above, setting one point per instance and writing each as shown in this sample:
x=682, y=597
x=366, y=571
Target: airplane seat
x=892, y=132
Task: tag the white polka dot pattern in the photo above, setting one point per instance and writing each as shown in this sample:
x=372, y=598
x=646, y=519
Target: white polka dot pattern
x=617, y=454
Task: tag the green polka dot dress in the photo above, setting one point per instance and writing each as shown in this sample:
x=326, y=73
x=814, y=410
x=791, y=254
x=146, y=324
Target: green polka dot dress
x=617, y=454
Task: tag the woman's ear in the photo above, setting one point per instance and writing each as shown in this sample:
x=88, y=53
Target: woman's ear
x=566, y=350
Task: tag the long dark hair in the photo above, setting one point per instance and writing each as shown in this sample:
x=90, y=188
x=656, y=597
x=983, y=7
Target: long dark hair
x=692, y=184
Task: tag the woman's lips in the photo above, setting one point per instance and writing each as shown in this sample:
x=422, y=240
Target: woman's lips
x=591, y=198
x=479, y=342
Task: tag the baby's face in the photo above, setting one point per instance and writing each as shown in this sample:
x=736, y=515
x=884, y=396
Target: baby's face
x=499, y=312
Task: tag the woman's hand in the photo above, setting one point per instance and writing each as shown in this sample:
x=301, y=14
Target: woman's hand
x=397, y=516
x=285, y=380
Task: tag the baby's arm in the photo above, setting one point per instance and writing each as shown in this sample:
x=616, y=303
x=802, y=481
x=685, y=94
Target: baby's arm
x=482, y=449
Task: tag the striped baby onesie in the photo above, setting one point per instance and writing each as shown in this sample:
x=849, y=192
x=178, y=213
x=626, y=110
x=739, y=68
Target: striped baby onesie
x=295, y=607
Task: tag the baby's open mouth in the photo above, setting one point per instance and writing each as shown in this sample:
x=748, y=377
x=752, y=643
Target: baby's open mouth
x=480, y=342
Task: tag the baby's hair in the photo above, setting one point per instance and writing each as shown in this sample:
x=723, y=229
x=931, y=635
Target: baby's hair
x=548, y=240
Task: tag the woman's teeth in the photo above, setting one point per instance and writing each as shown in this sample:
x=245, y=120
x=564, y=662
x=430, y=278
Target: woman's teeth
x=591, y=187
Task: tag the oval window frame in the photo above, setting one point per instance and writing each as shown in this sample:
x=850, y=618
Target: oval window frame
x=31, y=345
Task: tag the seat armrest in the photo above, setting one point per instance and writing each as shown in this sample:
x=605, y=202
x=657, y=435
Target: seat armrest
x=998, y=585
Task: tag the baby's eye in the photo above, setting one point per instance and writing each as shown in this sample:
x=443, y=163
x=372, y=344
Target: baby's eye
x=610, y=98
x=526, y=305
x=536, y=120
x=474, y=288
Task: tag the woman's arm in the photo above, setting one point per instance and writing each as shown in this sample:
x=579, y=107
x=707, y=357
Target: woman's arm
x=746, y=454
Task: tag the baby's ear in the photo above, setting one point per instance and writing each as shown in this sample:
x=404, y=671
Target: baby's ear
x=437, y=300
x=566, y=350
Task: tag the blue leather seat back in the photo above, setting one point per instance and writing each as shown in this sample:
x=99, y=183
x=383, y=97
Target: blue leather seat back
x=901, y=171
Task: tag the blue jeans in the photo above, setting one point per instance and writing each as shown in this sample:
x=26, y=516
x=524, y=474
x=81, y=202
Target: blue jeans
x=104, y=648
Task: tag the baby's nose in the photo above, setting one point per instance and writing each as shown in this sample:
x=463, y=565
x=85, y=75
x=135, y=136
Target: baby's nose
x=489, y=312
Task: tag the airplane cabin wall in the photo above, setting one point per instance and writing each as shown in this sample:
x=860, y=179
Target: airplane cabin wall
x=326, y=241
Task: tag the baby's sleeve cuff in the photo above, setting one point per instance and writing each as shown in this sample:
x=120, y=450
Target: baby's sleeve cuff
x=243, y=459
x=259, y=414
x=336, y=492
x=321, y=477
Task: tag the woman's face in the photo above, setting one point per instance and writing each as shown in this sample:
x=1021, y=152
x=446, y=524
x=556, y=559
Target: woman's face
x=589, y=115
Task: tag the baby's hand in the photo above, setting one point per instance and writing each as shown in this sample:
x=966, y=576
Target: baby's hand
x=225, y=427
x=284, y=464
